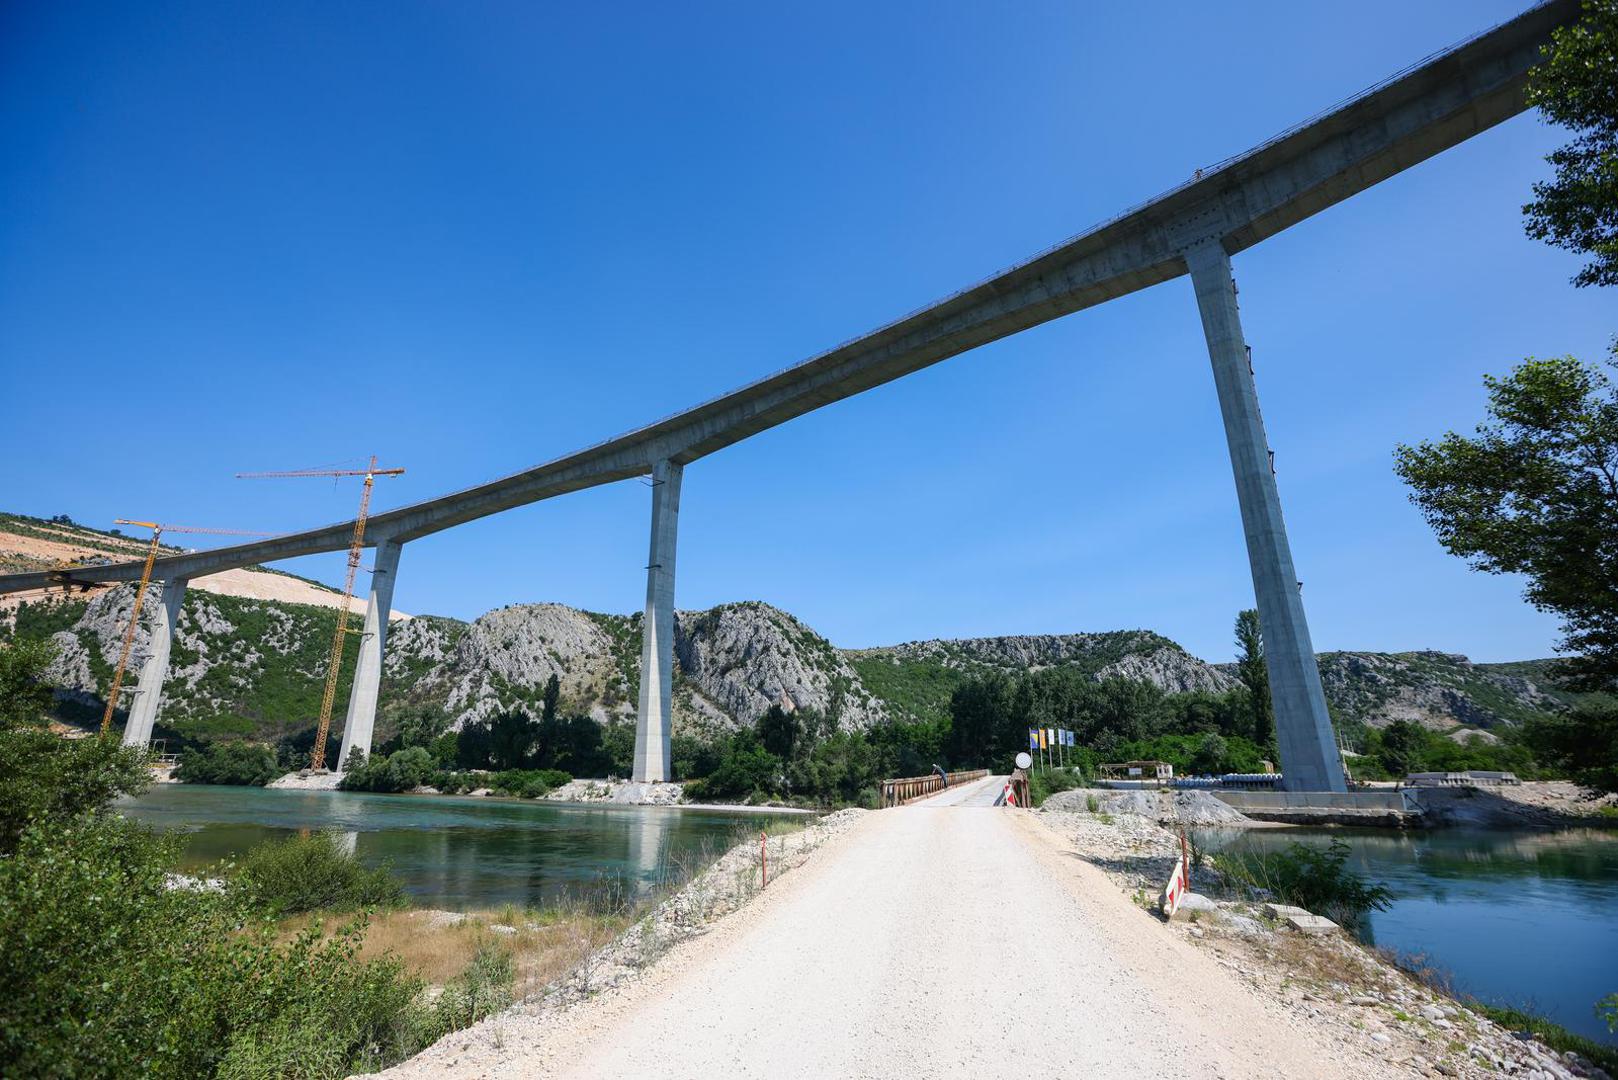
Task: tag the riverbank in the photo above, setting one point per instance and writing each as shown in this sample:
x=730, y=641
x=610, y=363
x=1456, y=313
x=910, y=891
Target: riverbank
x=928, y=939
x=1326, y=979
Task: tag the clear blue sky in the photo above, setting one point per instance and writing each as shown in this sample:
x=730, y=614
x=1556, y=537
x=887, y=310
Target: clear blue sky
x=472, y=237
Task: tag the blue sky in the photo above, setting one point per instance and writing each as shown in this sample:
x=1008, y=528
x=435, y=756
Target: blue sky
x=470, y=238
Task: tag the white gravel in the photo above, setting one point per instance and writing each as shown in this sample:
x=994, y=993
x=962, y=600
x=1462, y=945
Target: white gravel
x=930, y=940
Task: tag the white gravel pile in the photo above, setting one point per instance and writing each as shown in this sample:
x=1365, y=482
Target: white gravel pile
x=1170, y=807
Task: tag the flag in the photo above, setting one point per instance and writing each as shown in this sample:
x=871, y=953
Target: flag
x=1042, y=738
x=1053, y=735
x=1033, y=739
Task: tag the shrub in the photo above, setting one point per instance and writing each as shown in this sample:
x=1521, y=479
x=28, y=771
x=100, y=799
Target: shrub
x=313, y=873
x=484, y=988
x=1317, y=879
x=43, y=776
x=111, y=972
x=1043, y=783
x=404, y=770
x=527, y=783
x=241, y=763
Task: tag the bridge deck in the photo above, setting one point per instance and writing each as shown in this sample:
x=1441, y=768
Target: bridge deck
x=1418, y=113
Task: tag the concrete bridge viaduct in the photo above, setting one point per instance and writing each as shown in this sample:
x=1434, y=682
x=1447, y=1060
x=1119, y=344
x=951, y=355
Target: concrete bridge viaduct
x=1192, y=229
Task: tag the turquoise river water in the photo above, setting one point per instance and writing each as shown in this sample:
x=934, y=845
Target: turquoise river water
x=1517, y=918
x=450, y=852
x=1527, y=919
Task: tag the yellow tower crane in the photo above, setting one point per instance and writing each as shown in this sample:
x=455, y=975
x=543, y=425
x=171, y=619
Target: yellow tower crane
x=317, y=760
x=140, y=595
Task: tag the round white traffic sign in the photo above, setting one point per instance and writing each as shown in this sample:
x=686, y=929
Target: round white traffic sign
x=1023, y=760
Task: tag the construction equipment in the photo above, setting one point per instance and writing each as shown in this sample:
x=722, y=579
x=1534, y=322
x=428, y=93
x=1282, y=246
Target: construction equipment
x=317, y=760
x=140, y=595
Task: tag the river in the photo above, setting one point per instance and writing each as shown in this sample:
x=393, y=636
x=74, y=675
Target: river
x=451, y=852
x=1527, y=919
x=1517, y=918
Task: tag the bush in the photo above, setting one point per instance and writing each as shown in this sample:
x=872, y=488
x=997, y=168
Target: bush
x=1316, y=879
x=1043, y=783
x=313, y=873
x=110, y=972
x=405, y=770
x=43, y=776
x=240, y=763
x=484, y=988
x=527, y=783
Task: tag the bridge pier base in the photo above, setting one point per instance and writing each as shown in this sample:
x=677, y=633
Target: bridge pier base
x=653, y=731
x=149, y=693
x=1309, y=759
x=362, y=697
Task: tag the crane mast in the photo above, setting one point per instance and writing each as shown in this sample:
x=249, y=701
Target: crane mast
x=140, y=597
x=317, y=759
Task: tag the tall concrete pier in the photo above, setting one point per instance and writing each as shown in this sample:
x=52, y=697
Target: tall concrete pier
x=653, y=756
x=361, y=720
x=1303, y=727
x=149, y=694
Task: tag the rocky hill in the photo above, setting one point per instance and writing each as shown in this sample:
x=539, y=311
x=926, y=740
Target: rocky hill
x=251, y=666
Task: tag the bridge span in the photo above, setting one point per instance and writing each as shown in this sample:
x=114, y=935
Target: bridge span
x=1192, y=230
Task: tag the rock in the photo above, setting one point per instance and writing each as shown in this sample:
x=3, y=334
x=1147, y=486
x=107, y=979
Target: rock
x=1282, y=912
x=1431, y=1012
x=1196, y=902
x=1381, y=1038
x=1310, y=924
x=1363, y=1000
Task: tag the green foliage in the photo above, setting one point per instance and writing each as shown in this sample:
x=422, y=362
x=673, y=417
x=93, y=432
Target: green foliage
x=1251, y=669
x=1403, y=748
x=1043, y=783
x=512, y=740
x=1313, y=878
x=1582, y=743
x=917, y=689
x=484, y=988
x=403, y=770
x=527, y=783
x=745, y=769
x=42, y=776
x=110, y=972
x=1535, y=492
x=1551, y=1034
x=414, y=724
x=1577, y=86
x=312, y=873
x=244, y=763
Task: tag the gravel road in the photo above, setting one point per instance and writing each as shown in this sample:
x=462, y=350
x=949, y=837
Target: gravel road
x=931, y=940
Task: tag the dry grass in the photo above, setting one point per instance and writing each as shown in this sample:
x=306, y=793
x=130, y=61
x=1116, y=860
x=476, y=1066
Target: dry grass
x=438, y=945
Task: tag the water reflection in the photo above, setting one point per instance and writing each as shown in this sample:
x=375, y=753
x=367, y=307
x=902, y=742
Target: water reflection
x=449, y=852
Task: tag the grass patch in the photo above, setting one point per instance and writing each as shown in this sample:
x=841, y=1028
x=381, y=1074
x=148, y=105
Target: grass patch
x=1551, y=1034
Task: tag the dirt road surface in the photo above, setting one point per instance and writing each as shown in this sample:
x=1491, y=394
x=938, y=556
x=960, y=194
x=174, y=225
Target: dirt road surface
x=941, y=939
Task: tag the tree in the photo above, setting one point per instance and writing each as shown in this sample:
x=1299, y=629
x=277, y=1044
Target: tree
x=44, y=777
x=553, y=694
x=1255, y=675
x=1209, y=758
x=1582, y=743
x=1535, y=492
x=779, y=731
x=1577, y=86
x=1402, y=746
x=511, y=737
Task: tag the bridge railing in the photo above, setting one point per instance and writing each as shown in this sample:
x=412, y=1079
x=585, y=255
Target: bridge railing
x=903, y=789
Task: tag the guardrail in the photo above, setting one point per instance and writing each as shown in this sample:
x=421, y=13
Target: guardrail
x=906, y=788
